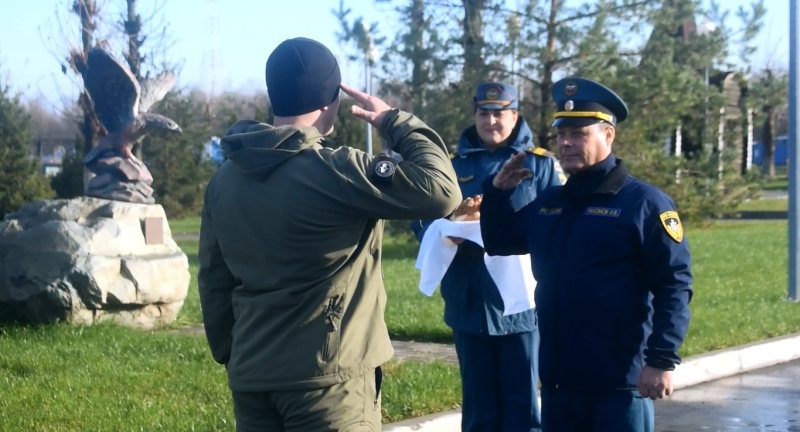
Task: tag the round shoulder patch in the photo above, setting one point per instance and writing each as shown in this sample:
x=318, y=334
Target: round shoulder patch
x=384, y=168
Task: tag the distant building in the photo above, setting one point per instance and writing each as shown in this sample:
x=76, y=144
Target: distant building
x=51, y=152
x=780, y=155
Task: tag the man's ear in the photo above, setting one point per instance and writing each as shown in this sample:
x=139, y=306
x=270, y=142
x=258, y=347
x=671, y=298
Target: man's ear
x=611, y=133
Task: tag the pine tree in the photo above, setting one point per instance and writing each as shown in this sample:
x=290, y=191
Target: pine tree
x=68, y=183
x=20, y=181
x=180, y=171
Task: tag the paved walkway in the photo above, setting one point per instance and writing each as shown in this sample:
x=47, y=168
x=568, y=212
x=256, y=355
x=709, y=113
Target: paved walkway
x=761, y=400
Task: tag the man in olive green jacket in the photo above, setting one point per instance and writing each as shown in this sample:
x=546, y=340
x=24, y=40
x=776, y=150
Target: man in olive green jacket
x=290, y=248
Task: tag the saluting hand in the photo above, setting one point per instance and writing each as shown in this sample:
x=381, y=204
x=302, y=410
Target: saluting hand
x=512, y=173
x=372, y=109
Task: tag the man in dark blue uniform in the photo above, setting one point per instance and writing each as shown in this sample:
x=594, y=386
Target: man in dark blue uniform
x=612, y=266
x=496, y=353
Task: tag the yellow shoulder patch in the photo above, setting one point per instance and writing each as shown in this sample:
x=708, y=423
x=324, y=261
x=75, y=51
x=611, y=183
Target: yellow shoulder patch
x=672, y=224
x=539, y=151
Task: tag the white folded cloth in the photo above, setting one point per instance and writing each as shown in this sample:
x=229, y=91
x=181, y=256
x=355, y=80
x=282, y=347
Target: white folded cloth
x=511, y=274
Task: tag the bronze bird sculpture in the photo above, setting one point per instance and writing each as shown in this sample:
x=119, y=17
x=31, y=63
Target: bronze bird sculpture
x=121, y=104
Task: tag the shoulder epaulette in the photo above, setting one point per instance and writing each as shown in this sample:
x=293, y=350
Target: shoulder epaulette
x=540, y=151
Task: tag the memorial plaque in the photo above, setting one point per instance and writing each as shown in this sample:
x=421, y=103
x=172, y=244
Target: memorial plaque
x=154, y=230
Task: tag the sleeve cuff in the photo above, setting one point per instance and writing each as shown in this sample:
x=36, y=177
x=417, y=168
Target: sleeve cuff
x=660, y=363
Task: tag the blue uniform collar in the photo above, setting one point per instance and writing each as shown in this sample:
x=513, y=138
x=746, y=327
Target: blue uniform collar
x=603, y=178
x=521, y=138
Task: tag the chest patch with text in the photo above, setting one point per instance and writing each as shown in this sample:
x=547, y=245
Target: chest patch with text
x=550, y=211
x=603, y=211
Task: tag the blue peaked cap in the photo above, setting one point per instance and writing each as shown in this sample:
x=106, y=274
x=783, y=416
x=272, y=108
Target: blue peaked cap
x=495, y=96
x=582, y=102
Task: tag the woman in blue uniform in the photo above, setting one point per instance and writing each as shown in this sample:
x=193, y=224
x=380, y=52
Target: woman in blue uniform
x=496, y=353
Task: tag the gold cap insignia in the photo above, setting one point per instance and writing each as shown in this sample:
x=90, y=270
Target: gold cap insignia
x=493, y=93
x=672, y=224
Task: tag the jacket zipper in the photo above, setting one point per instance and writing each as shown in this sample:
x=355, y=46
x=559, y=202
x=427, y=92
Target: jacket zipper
x=330, y=314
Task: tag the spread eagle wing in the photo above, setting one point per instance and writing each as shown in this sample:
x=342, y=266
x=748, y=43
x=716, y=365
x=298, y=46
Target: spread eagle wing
x=153, y=90
x=113, y=89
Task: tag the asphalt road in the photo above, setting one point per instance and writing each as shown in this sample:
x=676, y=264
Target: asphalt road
x=763, y=400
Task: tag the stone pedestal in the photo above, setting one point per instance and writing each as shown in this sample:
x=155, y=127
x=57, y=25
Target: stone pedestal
x=88, y=260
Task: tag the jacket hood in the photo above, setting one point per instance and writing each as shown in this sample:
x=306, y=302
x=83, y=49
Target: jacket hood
x=520, y=139
x=257, y=149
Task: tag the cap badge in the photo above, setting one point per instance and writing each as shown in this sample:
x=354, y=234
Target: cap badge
x=493, y=93
x=570, y=88
x=569, y=105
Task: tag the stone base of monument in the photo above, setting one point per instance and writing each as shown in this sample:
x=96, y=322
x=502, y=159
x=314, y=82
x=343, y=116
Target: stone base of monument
x=89, y=260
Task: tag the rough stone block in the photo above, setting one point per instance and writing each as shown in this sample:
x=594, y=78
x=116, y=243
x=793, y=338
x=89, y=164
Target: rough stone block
x=87, y=260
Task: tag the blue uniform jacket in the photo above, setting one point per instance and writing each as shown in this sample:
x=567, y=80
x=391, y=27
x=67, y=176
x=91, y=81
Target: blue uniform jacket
x=613, y=283
x=472, y=300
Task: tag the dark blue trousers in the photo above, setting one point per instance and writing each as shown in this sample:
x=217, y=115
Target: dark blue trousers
x=499, y=382
x=618, y=411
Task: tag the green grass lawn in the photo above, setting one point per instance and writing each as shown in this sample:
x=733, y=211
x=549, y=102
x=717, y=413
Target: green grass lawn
x=765, y=205
x=741, y=278
x=779, y=182
x=106, y=378
x=185, y=226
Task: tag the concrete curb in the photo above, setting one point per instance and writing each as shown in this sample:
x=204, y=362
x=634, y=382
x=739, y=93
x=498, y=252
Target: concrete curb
x=732, y=361
x=694, y=370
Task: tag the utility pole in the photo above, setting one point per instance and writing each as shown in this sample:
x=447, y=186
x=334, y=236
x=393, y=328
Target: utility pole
x=794, y=122
x=211, y=60
x=370, y=57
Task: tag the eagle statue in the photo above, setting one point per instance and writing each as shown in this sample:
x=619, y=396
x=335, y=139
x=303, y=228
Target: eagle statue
x=121, y=104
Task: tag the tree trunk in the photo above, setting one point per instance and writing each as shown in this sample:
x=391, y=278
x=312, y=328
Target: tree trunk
x=768, y=164
x=133, y=26
x=473, y=42
x=419, y=73
x=546, y=85
x=86, y=11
